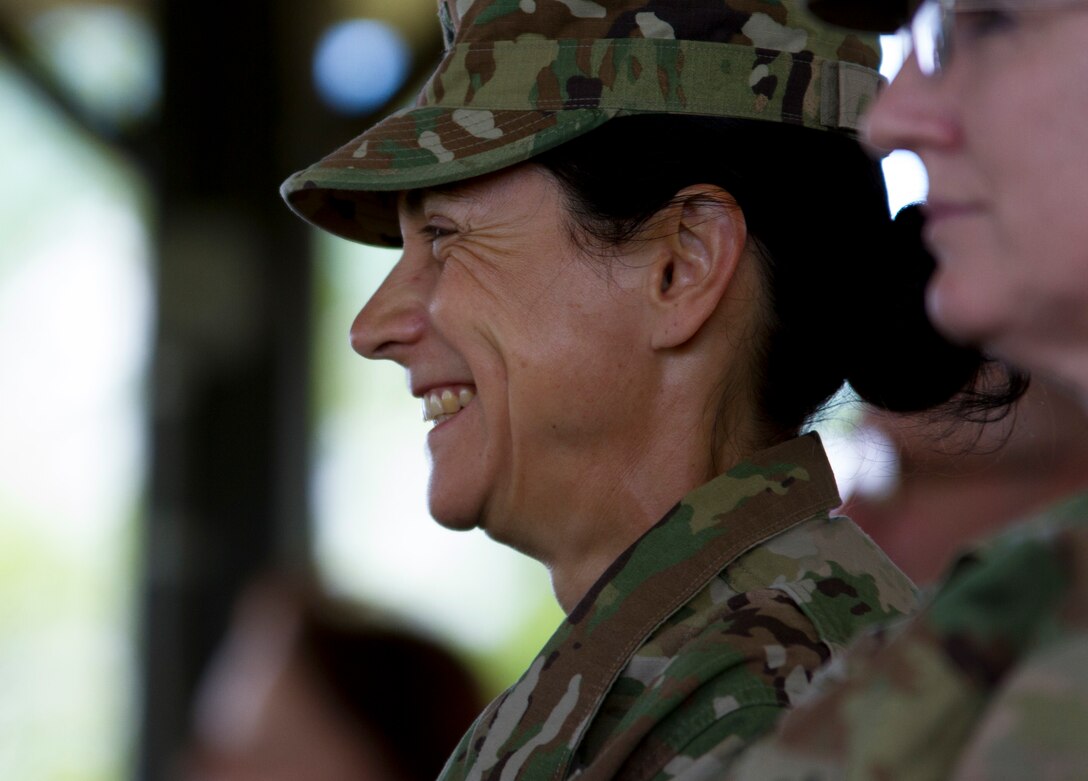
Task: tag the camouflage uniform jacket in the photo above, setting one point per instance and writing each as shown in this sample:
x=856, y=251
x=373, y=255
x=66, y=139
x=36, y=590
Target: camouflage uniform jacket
x=990, y=681
x=701, y=632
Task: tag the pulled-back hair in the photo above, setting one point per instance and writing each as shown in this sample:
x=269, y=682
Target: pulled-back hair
x=845, y=283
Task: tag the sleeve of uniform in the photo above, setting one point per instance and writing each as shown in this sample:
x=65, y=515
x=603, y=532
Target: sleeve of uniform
x=1037, y=718
x=1035, y=724
x=726, y=688
x=900, y=712
x=963, y=688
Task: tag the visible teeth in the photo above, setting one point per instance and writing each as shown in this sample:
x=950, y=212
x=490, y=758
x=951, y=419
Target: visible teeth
x=432, y=407
x=440, y=406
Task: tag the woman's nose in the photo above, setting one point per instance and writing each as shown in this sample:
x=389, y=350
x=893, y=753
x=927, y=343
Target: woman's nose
x=912, y=113
x=395, y=317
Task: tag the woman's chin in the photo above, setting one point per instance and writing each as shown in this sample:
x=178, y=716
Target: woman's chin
x=456, y=513
x=959, y=313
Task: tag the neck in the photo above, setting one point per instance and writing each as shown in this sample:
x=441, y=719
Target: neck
x=622, y=507
x=621, y=481
x=927, y=521
x=599, y=531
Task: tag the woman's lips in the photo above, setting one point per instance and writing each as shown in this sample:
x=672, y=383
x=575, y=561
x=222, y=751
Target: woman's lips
x=942, y=215
x=938, y=210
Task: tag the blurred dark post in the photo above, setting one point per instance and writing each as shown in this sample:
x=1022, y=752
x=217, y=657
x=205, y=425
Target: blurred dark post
x=230, y=382
x=229, y=397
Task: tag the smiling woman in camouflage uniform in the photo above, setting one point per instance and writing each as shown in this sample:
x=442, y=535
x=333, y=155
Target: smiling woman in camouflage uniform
x=629, y=231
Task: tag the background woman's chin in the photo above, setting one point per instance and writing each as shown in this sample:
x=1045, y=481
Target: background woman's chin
x=941, y=308
x=961, y=311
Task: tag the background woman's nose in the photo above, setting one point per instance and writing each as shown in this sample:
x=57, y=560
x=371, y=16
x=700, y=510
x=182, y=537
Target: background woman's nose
x=395, y=317
x=911, y=113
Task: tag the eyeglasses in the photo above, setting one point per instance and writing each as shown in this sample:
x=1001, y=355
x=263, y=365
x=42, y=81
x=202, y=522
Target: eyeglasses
x=931, y=31
x=930, y=34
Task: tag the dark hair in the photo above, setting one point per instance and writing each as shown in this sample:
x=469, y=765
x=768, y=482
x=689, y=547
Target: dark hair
x=846, y=284
x=406, y=691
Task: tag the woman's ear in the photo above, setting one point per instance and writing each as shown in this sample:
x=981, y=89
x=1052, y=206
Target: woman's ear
x=702, y=240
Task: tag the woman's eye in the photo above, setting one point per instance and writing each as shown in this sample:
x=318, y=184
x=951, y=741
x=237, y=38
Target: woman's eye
x=435, y=235
x=435, y=232
x=971, y=25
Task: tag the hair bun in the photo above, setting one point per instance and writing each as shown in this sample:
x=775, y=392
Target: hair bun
x=900, y=361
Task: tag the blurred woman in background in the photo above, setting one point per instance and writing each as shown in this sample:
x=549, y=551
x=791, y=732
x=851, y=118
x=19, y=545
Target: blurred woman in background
x=305, y=687
x=989, y=681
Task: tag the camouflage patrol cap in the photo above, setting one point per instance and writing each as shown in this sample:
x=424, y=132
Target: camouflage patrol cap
x=880, y=16
x=521, y=76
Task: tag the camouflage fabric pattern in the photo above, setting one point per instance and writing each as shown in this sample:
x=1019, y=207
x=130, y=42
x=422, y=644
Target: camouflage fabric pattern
x=522, y=76
x=702, y=632
x=990, y=681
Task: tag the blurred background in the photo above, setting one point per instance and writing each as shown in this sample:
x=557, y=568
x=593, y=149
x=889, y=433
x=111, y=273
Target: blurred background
x=180, y=411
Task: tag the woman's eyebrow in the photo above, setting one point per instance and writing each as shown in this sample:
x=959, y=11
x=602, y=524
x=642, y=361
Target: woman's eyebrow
x=415, y=200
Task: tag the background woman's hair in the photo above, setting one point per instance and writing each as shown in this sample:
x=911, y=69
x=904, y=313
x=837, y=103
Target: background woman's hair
x=411, y=696
x=846, y=283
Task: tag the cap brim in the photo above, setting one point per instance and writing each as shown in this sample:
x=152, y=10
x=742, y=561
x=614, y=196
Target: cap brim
x=876, y=16
x=352, y=192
